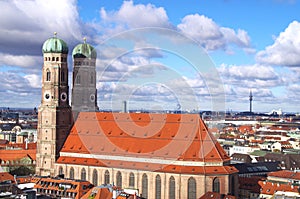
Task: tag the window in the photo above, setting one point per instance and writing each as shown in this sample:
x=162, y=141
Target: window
x=216, y=185
x=62, y=76
x=77, y=79
x=83, y=174
x=92, y=78
x=57, y=59
x=106, y=177
x=131, y=180
x=119, y=179
x=71, y=173
x=95, y=177
x=144, y=186
x=172, y=188
x=48, y=75
x=157, y=187
x=60, y=171
x=191, y=188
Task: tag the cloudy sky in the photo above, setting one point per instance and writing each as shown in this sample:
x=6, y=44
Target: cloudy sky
x=193, y=54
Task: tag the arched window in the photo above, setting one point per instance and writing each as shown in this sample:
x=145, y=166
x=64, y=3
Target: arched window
x=216, y=185
x=119, y=179
x=92, y=78
x=57, y=59
x=192, y=188
x=83, y=174
x=48, y=75
x=131, y=180
x=95, y=177
x=157, y=187
x=53, y=58
x=60, y=170
x=62, y=76
x=106, y=177
x=172, y=188
x=144, y=186
x=71, y=173
x=77, y=79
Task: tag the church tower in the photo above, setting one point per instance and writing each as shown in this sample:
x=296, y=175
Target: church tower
x=54, y=114
x=84, y=92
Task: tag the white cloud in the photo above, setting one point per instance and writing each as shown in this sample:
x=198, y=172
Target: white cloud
x=136, y=16
x=212, y=36
x=285, y=50
x=25, y=61
x=34, y=80
x=25, y=25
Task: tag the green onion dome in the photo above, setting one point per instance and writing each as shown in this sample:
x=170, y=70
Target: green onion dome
x=84, y=51
x=55, y=45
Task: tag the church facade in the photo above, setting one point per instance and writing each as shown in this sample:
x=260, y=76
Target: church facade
x=161, y=155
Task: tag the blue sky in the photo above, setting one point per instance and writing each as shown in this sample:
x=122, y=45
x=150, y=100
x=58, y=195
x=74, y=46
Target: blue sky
x=244, y=44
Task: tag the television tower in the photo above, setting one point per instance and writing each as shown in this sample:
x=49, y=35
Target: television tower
x=250, y=100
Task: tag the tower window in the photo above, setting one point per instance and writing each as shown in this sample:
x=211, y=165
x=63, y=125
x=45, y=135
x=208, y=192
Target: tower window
x=92, y=78
x=48, y=75
x=77, y=79
x=62, y=77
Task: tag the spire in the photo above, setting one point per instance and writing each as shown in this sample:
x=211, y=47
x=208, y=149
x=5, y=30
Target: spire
x=250, y=100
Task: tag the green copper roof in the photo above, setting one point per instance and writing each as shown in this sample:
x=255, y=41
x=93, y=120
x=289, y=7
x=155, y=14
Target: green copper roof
x=84, y=51
x=55, y=45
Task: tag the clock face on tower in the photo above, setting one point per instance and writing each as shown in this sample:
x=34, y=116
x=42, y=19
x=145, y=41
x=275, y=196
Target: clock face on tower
x=47, y=96
x=92, y=97
x=63, y=96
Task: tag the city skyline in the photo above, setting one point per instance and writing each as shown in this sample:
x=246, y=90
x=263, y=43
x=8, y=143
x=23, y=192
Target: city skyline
x=252, y=45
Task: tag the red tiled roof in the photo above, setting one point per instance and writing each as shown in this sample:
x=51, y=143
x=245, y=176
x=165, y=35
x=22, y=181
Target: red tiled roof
x=270, y=188
x=8, y=155
x=98, y=193
x=182, y=137
x=5, y=176
x=213, y=195
x=80, y=187
x=285, y=174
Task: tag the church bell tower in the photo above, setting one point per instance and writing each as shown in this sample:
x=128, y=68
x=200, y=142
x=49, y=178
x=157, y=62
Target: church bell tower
x=84, y=92
x=54, y=113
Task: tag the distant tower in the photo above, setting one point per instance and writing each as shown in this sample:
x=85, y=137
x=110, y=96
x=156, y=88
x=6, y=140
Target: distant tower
x=250, y=100
x=84, y=92
x=54, y=112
